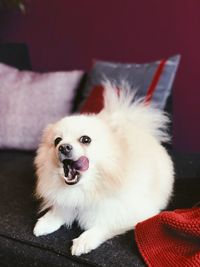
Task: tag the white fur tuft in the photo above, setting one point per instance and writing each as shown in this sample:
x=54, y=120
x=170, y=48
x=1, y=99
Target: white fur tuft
x=123, y=104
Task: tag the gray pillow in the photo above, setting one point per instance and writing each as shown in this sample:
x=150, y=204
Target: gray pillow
x=153, y=80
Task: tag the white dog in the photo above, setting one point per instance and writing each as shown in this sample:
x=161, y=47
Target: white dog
x=107, y=171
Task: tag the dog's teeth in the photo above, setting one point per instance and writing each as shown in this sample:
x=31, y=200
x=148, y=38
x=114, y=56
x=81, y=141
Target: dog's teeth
x=70, y=175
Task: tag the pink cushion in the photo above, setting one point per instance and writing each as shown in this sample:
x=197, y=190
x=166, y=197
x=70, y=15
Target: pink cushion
x=29, y=101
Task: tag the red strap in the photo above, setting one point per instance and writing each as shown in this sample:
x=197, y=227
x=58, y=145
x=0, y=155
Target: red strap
x=155, y=81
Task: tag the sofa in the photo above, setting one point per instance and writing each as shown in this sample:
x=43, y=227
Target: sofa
x=18, y=209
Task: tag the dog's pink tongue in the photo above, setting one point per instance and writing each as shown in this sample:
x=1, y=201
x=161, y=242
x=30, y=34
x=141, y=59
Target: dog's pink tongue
x=82, y=164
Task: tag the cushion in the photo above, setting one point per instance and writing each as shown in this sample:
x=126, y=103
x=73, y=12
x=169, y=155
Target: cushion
x=152, y=81
x=29, y=101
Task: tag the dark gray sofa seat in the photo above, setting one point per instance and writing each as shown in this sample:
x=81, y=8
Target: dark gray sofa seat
x=18, y=213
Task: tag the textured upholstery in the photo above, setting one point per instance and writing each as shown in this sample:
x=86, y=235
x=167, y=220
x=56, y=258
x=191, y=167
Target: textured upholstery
x=18, y=213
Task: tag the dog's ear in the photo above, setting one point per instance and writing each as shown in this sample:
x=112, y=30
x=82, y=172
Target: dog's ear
x=111, y=119
x=47, y=136
x=44, y=148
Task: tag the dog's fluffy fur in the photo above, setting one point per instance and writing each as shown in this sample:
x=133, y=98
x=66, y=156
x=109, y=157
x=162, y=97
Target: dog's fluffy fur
x=130, y=175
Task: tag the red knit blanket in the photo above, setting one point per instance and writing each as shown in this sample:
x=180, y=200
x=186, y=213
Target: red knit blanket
x=170, y=239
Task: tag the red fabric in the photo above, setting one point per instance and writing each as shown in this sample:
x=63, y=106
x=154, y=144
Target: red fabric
x=155, y=81
x=170, y=239
x=94, y=102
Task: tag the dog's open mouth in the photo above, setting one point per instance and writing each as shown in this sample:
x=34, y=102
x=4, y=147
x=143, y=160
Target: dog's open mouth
x=72, y=169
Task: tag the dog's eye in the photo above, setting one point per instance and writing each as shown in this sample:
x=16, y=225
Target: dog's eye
x=85, y=139
x=57, y=141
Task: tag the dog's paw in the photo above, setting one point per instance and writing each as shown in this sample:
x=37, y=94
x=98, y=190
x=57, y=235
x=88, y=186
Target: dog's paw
x=81, y=246
x=47, y=224
x=86, y=242
x=40, y=228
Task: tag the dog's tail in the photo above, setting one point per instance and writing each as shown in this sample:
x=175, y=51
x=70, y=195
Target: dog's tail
x=123, y=105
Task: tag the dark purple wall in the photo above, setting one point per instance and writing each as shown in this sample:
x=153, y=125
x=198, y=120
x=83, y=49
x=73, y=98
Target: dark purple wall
x=69, y=34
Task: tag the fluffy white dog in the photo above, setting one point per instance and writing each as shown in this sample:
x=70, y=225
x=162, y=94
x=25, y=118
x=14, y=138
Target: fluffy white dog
x=107, y=171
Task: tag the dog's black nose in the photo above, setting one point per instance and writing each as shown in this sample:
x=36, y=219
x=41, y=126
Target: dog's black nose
x=65, y=149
